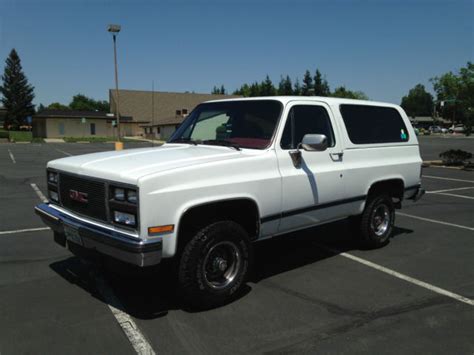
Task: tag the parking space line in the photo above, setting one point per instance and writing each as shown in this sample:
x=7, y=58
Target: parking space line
x=39, y=193
x=24, y=230
x=128, y=325
x=62, y=151
x=11, y=156
x=449, y=179
x=448, y=190
x=435, y=221
x=401, y=276
x=455, y=195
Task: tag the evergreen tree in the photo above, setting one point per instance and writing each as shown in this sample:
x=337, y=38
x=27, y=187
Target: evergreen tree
x=255, y=90
x=321, y=86
x=17, y=93
x=285, y=87
x=267, y=88
x=308, y=88
x=244, y=91
x=297, y=88
x=40, y=108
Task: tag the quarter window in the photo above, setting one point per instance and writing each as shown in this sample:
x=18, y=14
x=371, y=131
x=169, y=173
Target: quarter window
x=306, y=119
x=373, y=124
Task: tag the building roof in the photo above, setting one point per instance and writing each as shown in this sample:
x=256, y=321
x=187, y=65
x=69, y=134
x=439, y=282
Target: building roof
x=159, y=107
x=74, y=114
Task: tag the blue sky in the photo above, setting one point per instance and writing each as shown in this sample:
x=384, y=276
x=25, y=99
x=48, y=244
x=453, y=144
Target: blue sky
x=381, y=47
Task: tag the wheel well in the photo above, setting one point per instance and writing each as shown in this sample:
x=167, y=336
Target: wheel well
x=394, y=187
x=242, y=211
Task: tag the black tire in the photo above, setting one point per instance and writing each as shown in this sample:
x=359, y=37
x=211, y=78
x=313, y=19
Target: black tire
x=377, y=221
x=214, y=265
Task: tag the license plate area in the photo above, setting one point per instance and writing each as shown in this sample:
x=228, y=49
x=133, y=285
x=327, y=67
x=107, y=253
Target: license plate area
x=72, y=234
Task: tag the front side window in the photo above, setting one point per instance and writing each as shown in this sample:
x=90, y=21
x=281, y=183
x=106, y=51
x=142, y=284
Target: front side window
x=246, y=124
x=306, y=119
x=373, y=124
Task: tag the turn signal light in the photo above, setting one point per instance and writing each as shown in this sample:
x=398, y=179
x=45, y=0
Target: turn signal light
x=161, y=229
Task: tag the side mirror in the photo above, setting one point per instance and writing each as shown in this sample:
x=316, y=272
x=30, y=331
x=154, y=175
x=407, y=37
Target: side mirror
x=314, y=142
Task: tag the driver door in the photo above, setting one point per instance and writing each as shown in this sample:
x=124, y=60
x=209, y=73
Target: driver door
x=311, y=192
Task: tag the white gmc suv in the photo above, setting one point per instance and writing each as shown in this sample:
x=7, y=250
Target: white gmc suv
x=236, y=172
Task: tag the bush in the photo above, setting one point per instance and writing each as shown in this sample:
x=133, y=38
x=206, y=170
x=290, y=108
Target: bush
x=455, y=157
x=20, y=136
x=4, y=134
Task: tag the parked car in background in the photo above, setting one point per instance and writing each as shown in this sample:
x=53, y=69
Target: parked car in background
x=438, y=129
x=459, y=128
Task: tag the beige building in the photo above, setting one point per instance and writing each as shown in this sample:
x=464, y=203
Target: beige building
x=71, y=123
x=163, y=111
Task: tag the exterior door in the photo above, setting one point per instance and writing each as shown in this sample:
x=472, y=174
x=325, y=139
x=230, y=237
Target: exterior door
x=311, y=193
x=92, y=129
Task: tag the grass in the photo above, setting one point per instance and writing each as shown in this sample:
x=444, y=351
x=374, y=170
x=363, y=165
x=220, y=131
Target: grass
x=20, y=136
x=95, y=139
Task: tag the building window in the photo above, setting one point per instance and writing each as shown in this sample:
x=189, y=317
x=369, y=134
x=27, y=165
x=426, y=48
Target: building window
x=92, y=129
x=178, y=112
x=158, y=130
x=185, y=111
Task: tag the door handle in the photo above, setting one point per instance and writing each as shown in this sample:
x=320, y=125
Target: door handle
x=336, y=155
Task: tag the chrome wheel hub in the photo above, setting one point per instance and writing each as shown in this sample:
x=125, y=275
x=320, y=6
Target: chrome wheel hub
x=221, y=264
x=380, y=220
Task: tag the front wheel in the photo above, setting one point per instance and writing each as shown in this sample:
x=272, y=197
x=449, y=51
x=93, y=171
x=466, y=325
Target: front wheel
x=377, y=221
x=214, y=264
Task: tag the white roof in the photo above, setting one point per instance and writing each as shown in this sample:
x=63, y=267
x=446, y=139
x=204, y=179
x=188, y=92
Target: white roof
x=332, y=101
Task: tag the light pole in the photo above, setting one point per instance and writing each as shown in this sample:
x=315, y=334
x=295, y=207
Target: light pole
x=114, y=30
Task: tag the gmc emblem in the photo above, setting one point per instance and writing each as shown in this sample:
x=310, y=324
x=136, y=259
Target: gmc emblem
x=78, y=196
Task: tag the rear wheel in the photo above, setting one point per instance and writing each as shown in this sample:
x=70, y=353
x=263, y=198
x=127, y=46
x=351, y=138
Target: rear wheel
x=214, y=264
x=377, y=221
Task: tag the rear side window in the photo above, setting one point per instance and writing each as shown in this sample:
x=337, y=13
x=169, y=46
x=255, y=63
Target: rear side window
x=306, y=119
x=373, y=124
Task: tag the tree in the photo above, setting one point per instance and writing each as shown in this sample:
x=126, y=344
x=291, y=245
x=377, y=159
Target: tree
x=244, y=91
x=267, y=88
x=285, y=87
x=219, y=91
x=341, y=91
x=40, y=108
x=321, y=86
x=255, y=90
x=308, y=88
x=418, y=102
x=297, y=88
x=57, y=106
x=456, y=92
x=17, y=93
x=83, y=103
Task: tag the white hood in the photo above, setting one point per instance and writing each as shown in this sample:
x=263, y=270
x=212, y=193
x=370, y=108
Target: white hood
x=129, y=165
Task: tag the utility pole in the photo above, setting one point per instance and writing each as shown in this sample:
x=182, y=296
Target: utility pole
x=114, y=30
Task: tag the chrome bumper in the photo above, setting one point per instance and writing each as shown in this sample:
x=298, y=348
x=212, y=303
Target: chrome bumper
x=93, y=237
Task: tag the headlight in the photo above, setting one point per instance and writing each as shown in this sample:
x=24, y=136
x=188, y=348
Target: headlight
x=52, y=177
x=132, y=196
x=123, y=194
x=124, y=218
x=119, y=194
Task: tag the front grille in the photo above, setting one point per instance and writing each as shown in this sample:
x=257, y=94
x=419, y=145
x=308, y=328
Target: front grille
x=94, y=207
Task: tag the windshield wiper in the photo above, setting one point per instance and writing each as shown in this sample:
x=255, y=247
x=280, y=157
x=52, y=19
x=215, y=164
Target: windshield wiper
x=221, y=142
x=185, y=140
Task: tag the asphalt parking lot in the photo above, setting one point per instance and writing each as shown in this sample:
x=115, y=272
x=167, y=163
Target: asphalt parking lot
x=311, y=292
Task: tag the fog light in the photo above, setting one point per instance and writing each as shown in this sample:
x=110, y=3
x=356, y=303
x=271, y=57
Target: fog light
x=53, y=195
x=124, y=218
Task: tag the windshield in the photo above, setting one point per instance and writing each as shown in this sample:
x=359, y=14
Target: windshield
x=239, y=124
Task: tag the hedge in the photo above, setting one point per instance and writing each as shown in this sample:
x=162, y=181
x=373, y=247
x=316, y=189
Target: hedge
x=20, y=136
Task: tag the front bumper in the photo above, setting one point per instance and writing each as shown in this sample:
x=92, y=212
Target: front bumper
x=103, y=240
